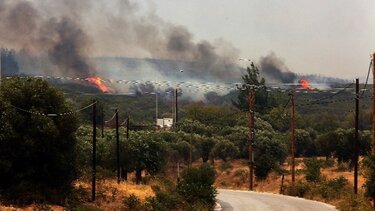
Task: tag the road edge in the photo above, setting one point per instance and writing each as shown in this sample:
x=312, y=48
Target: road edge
x=273, y=194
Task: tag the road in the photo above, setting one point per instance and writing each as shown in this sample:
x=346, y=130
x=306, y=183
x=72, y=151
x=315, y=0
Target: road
x=247, y=200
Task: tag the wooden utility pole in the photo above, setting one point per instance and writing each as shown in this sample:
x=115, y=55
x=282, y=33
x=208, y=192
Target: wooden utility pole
x=127, y=127
x=1, y=65
x=292, y=137
x=251, y=101
x=93, y=151
x=373, y=106
x=191, y=145
x=124, y=170
x=176, y=105
x=117, y=148
x=356, y=141
x=373, y=111
x=102, y=123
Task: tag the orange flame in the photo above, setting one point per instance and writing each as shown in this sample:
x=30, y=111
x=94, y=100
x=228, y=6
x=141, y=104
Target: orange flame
x=305, y=84
x=98, y=82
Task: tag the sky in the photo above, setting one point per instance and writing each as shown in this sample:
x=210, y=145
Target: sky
x=327, y=37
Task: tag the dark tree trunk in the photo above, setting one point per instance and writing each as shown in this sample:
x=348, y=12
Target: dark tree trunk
x=138, y=176
x=124, y=174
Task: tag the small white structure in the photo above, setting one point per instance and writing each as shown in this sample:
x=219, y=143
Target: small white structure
x=166, y=122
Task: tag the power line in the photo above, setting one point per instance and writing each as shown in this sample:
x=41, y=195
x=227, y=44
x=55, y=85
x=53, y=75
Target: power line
x=368, y=74
x=52, y=114
x=111, y=117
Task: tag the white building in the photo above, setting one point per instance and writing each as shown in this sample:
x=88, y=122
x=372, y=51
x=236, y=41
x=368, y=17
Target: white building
x=165, y=122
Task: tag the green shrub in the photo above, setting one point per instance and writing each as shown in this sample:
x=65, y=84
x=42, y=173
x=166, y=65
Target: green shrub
x=354, y=202
x=312, y=170
x=263, y=166
x=226, y=166
x=298, y=189
x=368, y=165
x=338, y=183
x=131, y=202
x=196, y=186
x=328, y=163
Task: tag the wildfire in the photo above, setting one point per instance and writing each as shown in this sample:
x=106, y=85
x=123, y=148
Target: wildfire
x=98, y=82
x=305, y=84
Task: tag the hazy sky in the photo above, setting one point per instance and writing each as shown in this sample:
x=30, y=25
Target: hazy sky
x=328, y=37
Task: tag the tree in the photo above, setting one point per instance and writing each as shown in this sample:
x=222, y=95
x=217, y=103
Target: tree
x=213, y=115
x=37, y=152
x=326, y=144
x=304, y=143
x=180, y=151
x=206, y=146
x=262, y=100
x=269, y=152
x=312, y=169
x=345, y=144
x=224, y=150
x=147, y=153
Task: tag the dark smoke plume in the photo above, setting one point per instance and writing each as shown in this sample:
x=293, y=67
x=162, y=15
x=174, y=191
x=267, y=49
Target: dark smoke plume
x=70, y=33
x=60, y=39
x=275, y=70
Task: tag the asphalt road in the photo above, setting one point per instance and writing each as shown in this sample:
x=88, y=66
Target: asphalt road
x=253, y=201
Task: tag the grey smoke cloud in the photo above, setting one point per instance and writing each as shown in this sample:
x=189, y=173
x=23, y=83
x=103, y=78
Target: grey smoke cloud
x=275, y=70
x=69, y=32
x=60, y=39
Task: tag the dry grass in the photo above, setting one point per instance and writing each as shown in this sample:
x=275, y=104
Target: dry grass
x=109, y=195
x=238, y=177
x=29, y=208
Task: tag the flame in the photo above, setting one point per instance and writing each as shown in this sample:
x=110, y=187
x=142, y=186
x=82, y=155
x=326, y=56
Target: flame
x=305, y=84
x=98, y=82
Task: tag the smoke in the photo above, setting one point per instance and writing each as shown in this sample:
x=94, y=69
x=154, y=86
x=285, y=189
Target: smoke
x=275, y=70
x=70, y=33
x=60, y=39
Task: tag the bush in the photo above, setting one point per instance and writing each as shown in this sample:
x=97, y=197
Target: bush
x=226, y=166
x=332, y=188
x=298, y=189
x=329, y=163
x=131, y=202
x=354, y=202
x=263, y=165
x=312, y=171
x=196, y=186
x=369, y=168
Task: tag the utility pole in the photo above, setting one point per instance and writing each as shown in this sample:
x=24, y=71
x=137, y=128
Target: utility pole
x=373, y=106
x=156, y=108
x=176, y=106
x=292, y=138
x=251, y=101
x=190, y=145
x=124, y=171
x=373, y=111
x=127, y=128
x=1, y=64
x=93, y=150
x=102, y=123
x=356, y=141
x=117, y=148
